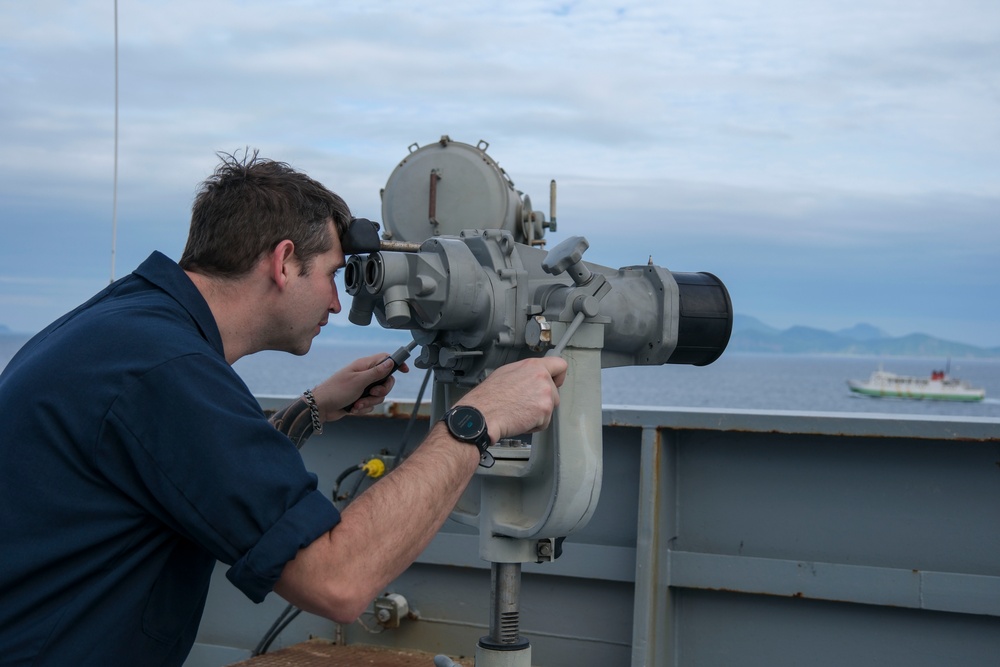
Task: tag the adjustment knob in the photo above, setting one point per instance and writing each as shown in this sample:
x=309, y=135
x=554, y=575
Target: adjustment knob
x=568, y=257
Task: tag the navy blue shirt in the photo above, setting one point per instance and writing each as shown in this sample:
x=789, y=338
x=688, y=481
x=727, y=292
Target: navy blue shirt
x=132, y=457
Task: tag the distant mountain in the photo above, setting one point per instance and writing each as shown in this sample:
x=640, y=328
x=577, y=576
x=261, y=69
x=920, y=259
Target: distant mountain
x=749, y=335
x=752, y=335
x=863, y=332
x=748, y=323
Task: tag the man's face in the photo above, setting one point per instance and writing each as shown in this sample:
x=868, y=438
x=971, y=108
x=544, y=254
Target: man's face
x=311, y=298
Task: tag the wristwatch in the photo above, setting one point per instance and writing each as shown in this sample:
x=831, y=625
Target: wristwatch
x=467, y=424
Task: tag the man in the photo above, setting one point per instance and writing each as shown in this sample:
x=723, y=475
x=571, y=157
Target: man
x=132, y=456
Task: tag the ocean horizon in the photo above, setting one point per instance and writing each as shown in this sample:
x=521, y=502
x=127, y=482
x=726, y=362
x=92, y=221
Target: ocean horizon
x=736, y=381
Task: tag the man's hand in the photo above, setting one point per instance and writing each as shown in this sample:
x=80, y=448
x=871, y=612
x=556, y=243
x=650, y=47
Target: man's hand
x=519, y=398
x=344, y=388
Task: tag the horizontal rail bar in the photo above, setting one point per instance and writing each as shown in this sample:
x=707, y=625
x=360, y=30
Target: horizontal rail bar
x=856, y=424
x=886, y=586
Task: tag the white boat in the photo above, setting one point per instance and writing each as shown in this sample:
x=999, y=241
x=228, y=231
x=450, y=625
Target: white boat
x=938, y=387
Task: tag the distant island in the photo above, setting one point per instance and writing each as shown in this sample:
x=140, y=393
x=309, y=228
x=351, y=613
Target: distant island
x=752, y=335
x=749, y=335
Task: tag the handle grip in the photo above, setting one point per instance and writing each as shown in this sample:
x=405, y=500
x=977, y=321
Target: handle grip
x=398, y=357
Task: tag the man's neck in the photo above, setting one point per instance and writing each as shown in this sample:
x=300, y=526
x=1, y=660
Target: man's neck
x=229, y=300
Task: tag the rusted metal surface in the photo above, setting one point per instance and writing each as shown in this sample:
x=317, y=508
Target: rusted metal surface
x=321, y=653
x=400, y=410
x=390, y=409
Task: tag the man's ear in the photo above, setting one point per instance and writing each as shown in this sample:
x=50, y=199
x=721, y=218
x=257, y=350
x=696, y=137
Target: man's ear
x=282, y=262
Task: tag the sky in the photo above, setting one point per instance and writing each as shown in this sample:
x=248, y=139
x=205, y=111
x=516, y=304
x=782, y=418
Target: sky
x=832, y=162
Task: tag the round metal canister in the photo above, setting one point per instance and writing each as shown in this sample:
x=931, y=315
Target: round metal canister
x=443, y=188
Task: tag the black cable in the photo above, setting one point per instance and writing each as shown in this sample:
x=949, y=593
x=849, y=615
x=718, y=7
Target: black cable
x=341, y=477
x=413, y=418
x=272, y=632
x=357, y=487
x=278, y=627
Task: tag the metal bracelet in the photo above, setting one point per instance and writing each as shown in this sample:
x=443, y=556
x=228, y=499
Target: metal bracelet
x=313, y=411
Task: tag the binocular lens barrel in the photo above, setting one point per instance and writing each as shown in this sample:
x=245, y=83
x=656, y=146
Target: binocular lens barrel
x=705, y=319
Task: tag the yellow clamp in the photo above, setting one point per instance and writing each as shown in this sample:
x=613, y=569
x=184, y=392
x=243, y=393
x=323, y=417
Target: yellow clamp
x=374, y=467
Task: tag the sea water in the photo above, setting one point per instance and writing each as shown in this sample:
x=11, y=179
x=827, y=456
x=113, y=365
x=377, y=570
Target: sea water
x=770, y=382
x=734, y=381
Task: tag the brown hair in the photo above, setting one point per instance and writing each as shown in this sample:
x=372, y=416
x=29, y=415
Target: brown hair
x=248, y=206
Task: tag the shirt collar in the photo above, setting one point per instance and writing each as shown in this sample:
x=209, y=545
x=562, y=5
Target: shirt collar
x=165, y=273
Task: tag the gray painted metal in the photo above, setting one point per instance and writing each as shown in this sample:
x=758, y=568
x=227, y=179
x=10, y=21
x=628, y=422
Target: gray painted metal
x=721, y=538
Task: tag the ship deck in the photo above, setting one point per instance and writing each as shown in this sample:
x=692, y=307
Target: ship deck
x=323, y=653
x=721, y=537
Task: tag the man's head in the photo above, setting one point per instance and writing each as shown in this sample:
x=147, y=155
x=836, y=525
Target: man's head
x=249, y=206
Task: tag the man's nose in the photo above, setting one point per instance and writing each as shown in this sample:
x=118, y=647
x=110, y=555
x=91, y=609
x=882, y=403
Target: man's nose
x=335, y=301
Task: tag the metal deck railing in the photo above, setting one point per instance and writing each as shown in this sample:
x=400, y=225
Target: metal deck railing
x=721, y=538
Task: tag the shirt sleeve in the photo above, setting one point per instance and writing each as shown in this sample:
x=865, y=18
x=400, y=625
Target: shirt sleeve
x=189, y=444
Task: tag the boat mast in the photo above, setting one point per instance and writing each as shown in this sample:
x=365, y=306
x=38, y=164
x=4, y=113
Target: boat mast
x=114, y=193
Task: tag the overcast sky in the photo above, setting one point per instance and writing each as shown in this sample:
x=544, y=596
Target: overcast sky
x=832, y=161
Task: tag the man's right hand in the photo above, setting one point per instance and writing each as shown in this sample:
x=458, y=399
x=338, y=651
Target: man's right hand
x=519, y=398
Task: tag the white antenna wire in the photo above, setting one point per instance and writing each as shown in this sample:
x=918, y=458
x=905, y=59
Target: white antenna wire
x=114, y=196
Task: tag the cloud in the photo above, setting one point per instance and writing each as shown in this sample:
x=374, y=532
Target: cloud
x=753, y=139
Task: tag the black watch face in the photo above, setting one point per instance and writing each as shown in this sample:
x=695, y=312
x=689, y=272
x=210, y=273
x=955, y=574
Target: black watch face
x=466, y=423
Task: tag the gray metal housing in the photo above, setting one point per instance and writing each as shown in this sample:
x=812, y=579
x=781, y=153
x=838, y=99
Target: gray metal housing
x=721, y=538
